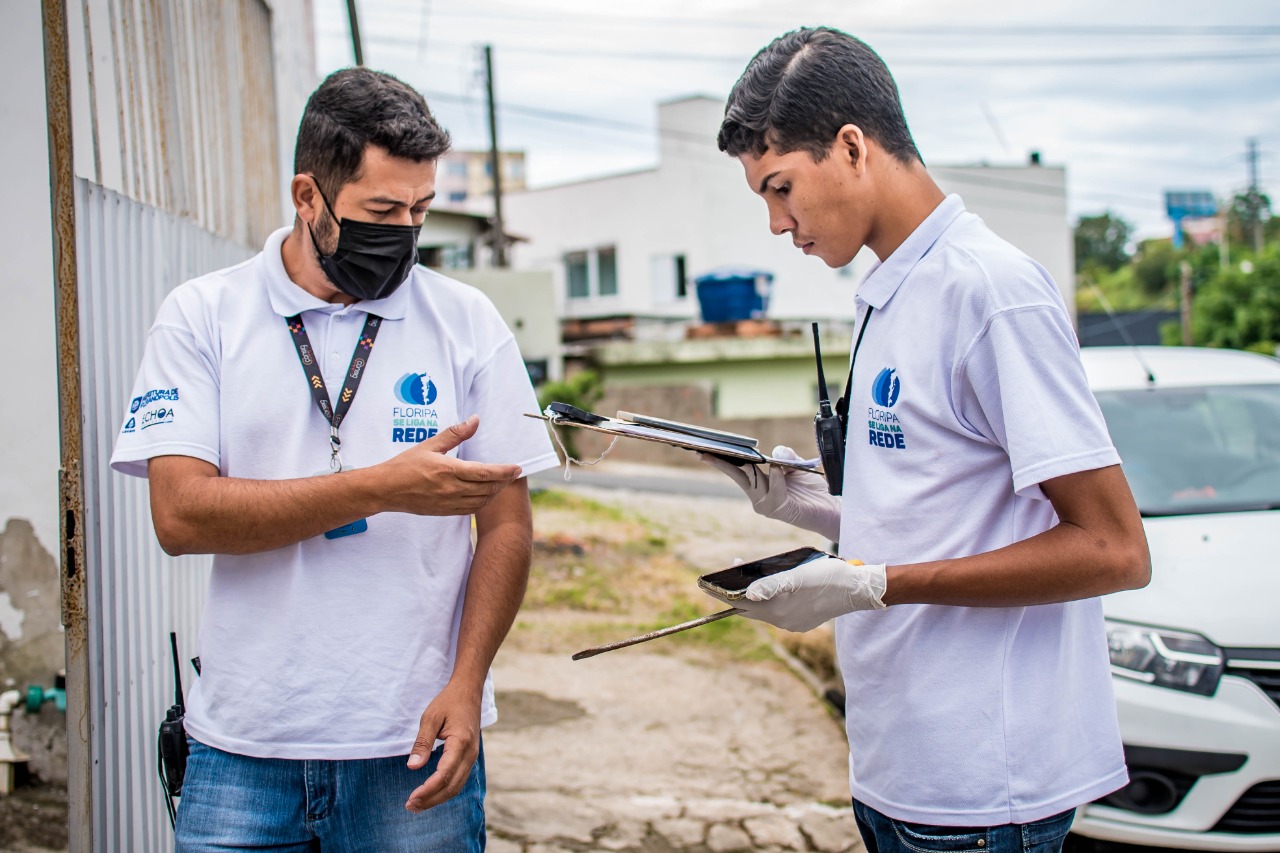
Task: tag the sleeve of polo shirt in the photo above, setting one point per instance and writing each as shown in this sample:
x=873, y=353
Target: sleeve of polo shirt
x=174, y=407
x=501, y=394
x=1027, y=391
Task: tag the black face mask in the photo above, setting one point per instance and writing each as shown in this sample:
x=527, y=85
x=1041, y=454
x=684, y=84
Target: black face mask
x=371, y=259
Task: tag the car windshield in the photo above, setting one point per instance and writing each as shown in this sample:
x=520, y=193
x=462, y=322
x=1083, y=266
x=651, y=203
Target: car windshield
x=1198, y=450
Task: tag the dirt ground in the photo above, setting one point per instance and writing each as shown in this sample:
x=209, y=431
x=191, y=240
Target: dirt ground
x=33, y=819
x=711, y=740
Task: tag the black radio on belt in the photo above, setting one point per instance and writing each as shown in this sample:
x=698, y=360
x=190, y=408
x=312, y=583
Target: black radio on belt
x=172, y=739
x=829, y=429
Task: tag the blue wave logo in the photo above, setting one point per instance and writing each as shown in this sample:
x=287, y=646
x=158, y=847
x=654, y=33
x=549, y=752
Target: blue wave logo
x=416, y=389
x=886, y=388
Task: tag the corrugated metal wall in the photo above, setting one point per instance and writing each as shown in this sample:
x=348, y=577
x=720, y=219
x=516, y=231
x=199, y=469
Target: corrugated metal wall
x=177, y=171
x=130, y=255
x=177, y=108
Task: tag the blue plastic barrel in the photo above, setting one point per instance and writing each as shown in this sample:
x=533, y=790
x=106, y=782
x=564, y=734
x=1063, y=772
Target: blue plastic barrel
x=728, y=294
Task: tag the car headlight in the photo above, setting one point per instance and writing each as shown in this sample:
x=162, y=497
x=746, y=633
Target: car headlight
x=1166, y=658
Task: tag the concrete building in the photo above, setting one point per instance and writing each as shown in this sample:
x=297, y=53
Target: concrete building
x=459, y=244
x=630, y=245
x=465, y=178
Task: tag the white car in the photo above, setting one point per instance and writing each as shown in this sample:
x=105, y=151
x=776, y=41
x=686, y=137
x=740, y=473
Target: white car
x=1196, y=654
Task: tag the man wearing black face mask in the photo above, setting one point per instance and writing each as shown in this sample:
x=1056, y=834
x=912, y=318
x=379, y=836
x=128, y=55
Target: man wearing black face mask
x=325, y=419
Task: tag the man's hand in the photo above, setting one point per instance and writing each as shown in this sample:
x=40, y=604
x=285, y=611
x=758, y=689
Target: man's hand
x=454, y=717
x=797, y=497
x=425, y=481
x=802, y=598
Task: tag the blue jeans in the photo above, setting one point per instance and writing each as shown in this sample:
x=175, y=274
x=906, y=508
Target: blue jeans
x=883, y=834
x=234, y=802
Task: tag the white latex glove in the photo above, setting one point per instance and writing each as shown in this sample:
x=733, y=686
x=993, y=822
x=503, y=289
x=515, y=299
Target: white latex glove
x=802, y=598
x=786, y=494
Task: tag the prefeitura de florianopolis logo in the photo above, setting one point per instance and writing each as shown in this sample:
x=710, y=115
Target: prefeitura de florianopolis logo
x=416, y=420
x=883, y=427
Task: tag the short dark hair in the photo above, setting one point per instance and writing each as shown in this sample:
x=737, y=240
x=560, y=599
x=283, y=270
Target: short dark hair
x=799, y=91
x=354, y=108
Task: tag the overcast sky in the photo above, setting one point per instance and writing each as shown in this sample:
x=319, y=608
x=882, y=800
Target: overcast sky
x=1132, y=97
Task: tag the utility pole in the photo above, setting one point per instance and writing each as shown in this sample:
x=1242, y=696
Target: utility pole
x=495, y=165
x=356, y=46
x=1185, y=292
x=1255, y=195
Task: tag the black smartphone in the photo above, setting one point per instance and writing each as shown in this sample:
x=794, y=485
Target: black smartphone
x=731, y=584
x=573, y=413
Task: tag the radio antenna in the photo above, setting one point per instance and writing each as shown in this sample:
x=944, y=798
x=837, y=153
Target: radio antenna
x=177, y=672
x=824, y=397
x=1115, y=321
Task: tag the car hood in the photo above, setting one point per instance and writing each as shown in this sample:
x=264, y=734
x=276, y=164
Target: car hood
x=1216, y=575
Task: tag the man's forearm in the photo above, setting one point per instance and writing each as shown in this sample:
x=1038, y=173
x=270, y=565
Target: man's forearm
x=228, y=515
x=1097, y=547
x=496, y=585
x=1061, y=564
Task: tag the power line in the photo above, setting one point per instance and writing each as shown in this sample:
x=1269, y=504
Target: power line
x=667, y=22
x=921, y=61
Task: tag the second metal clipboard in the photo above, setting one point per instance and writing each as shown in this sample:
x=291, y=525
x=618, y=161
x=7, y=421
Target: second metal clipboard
x=724, y=450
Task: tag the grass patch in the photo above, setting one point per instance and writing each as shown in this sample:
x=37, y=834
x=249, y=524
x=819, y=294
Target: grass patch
x=554, y=499
x=602, y=573
x=737, y=635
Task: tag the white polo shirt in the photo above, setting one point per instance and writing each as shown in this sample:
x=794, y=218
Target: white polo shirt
x=967, y=392
x=329, y=648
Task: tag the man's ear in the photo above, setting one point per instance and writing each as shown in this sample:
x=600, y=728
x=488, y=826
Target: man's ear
x=851, y=146
x=306, y=200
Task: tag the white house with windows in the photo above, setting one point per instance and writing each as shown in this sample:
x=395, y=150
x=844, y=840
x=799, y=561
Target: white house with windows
x=631, y=245
x=464, y=177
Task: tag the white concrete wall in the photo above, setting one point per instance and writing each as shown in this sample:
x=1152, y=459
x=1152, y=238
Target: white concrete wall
x=696, y=202
x=524, y=299
x=1026, y=205
x=29, y=413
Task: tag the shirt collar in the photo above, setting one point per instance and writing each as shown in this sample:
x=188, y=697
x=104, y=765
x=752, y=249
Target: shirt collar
x=885, y=277
x=288, y=299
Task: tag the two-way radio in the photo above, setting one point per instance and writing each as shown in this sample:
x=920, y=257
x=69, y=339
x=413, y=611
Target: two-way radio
x=828, y=428
x=172, y=740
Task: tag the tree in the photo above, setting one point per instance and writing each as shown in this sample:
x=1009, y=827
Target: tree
x=1155, y=266
x=1238, y=307
x=1102, y=242
x=1248, y=209
x=583, y=390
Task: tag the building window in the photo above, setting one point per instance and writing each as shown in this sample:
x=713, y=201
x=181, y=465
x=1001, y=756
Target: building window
x=575, y=267
x=537, y=369
x=456, y=168
x=455, y=197
x=457, y=257
x=515, y=169
x=608, y=277
x=670, y=278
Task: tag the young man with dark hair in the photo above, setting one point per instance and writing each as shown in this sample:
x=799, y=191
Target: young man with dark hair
x=980, y=484
x=325, y=419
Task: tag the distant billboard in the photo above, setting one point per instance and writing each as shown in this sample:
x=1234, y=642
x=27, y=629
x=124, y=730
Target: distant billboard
x=1188, y=204
x=1183, y=204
